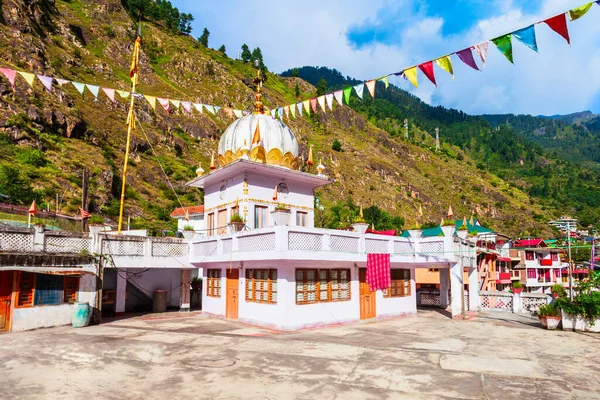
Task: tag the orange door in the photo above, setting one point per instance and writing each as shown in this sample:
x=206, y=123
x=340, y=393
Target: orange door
x=367, y=298
x=232, y=300
x=6, y=283
x=222, y=222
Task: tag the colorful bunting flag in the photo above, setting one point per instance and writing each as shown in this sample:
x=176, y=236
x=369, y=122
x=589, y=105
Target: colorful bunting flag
x=10, y=74
x=427, y=69
x=466, y=56
x=286, y=111
x=237, y=113
x=94, y=89
x=359, y=89
x=527, y=37
x=216, y=108
x=299, y=107
x=61, y=82
x=559, y=25
x=79, y=86
x=198, y=107
x=175, y=103
x=580, y=11
x=110, y=93
x=411, y=75
x=124, y=94
x=338, y=96
x=386, y=81
x=293, y=110
x=29, y=78
x=151, y=100
x=46, y=81
x=187, y=106
x=371, y=87
x=329, y=98
x=280, y=111
x=347, y=92
x=164, y=103
x=306, y=104
x=313, y=104
x=482, y=49
x=229, y=112
x=321, y=100
x=273, y=111
x=504, y=44
x=210, y=109
x=445, y=63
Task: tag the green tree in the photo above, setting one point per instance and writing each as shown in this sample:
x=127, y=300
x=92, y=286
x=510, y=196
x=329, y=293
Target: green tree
x=14, y=185
x=246, y=54
x=321, y=87
x=295, y=73
x=223, y=50
x=297, y=90
x=185, y=23
x=203, y=40
x=336, y=146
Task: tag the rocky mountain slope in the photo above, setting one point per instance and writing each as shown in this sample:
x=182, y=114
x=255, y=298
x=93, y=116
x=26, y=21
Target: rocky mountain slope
x=47, y=139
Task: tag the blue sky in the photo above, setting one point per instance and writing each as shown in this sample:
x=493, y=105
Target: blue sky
x=369, y=39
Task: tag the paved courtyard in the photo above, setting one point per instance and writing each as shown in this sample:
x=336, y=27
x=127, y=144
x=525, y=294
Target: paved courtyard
x=174, y=355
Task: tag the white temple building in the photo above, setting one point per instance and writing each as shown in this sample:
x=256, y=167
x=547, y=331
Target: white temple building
x=282, y=272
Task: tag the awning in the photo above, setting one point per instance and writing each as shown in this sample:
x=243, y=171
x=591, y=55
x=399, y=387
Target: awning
x=507, y=259
x=50, y=270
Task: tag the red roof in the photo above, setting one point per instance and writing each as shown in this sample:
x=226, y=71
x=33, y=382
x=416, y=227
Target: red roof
x=193, y=210
x=530, y=243
x=507, y=259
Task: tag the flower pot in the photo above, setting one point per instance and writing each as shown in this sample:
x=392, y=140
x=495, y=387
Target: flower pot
x=578, y=323
x=415, y=233
x=281, y=217
x=517, y=290
x=188, y=235
x=236, y=227
x=555, y=295
x=549, y=322
x=360, y=227
x=448, y=230
x=462, y=234
x=95, y=229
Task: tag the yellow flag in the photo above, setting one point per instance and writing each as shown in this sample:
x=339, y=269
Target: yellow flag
x=286, y=110
x=133, y=69
x=445, y=63
x=386, y=80
x=293, y=110
x=580, y=11
x=411, y=75
x=321, y=100
x=28, y=77
x=306, y=104
x=151, y=100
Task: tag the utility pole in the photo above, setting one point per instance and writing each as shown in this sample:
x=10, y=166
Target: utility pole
x=84, y=197
x=406, y=129
x=570, y=263
x=437, y=139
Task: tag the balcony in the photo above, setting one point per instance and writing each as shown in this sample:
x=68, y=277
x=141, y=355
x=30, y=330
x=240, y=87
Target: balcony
x=504, y=278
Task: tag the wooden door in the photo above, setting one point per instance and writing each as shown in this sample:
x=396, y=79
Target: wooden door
x=367, y=298
x=232, y=299
x=222, y=222
x=6, y=284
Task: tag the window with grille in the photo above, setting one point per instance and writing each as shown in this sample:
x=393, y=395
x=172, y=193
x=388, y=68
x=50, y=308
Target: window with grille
x=44, y=289
x=565, y=278
x=400, y=286
x=261, y=285
x=301, y=218
x=554, y=256
x=210, y=223
x=71, y=288
x=48, y=289
x=260, y=217
x=529, y=255
x=26, y=287
x=213, y=287
x=322, y=285
x=531, y=273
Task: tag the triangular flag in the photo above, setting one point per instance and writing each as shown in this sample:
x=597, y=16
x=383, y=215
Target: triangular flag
x=580, y=11
x=313, y=104
x=110, y=93
x=164, y=103
x=229, y=112
x=420, y=213
x=61, y=82
x=450, y=213
x=10, y=74
x=28, y=77
x=371, y=87
x=198, y=107
x=386, y=81
x=293, y=110
x=411, y=75
x=347, y=92
x=559, y=25
x=94, y=89
x=321, y=100
x=256, y=136
x=124, y=94
x=273, y=113
x=338, y=96
x=527, y=37
x=482, y=49
x=306, y=104
x=187, y=106
x=280, y=111
x=329, y=98
x=466, y=56
x=286, y=110
x=359, y=89
x=33, y=208
x=299, y=107
x=504, y=44
x=175, y=103
x=237, y=113
x=427, y=69
x=216, y=108
x=151, y=100
x=445, y=63
x=79, y=86
x=46, y=81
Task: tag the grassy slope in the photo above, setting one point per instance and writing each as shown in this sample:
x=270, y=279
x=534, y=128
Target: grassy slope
x=373, y=168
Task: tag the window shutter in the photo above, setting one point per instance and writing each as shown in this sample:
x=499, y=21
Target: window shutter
x=26, y=287
x=71, y=287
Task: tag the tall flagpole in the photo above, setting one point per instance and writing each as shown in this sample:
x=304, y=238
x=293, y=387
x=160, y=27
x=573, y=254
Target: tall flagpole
x=133, y=74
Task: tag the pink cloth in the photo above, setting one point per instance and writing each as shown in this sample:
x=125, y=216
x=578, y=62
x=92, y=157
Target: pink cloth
x=379, y=275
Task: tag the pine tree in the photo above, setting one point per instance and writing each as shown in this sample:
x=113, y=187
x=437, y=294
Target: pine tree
x=223, y=50
x=297, y=90
x=295, y=73
x=257, y=55
x=204, y=38
x=246, y=55
x=321, y=87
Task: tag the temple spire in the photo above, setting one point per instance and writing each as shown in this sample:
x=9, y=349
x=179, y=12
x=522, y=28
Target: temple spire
x=258, y=105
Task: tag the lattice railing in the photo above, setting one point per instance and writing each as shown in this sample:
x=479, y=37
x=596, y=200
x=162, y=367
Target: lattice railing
x=123, y=247
x=12, y=241
x=254, y=243
x=403, y=248
x=67, y=244
x=532, y=303
x=305, y=241
x=344, y=244
x=204, y=249
x=429, y=298
x=376, y=246
x=169, y=248
x=227, y=246
x=496, y=301
x=432, y=248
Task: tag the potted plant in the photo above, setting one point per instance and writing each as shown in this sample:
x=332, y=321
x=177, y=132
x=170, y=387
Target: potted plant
x=583, y=312
x=188, y=232
x=549, y=316
x=558, y=290
x=95, y=224
x=462, y=232
x=360, y=225
x=281, y=215
x=236, y=223
x=196, y=283
x=415, y=231
x=517, y=287
x=448, y=227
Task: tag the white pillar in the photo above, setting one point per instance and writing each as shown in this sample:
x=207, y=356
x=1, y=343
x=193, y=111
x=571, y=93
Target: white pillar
x=517, y=303
x=474, y=301
x=120, y=292
x=444, y=286
x=184, y=297
x=456, y=287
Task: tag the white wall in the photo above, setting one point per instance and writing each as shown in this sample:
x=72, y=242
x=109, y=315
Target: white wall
x=157, y=279
x=196, y=221
x=41, y=317
x=397, y=306
x=213, y=305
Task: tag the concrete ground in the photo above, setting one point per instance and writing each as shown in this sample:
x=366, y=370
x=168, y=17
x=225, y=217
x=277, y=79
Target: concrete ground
x=179, y=356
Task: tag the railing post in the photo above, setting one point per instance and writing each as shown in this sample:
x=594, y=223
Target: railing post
x=282, y=234
x=362, y=244
x=517, y=303
x=148, y=247
x=38, y=237
x=219, y=246
x=390, y=244
x=326, y=242
x=235, y=243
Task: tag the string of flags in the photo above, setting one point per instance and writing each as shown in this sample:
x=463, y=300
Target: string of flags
x=166, y=103
x=504, y=44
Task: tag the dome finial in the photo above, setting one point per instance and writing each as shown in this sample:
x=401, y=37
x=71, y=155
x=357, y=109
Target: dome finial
x=212, y=161
x=200, y=170
x=310, y=161
x=258, y=105
x=320, y=168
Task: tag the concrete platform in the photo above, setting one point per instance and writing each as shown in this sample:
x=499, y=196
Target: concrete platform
x=190, y=355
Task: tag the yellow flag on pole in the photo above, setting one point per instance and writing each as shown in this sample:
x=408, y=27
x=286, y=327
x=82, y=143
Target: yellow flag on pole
x=445, y=63
x=135, y=58
x=411, y=75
